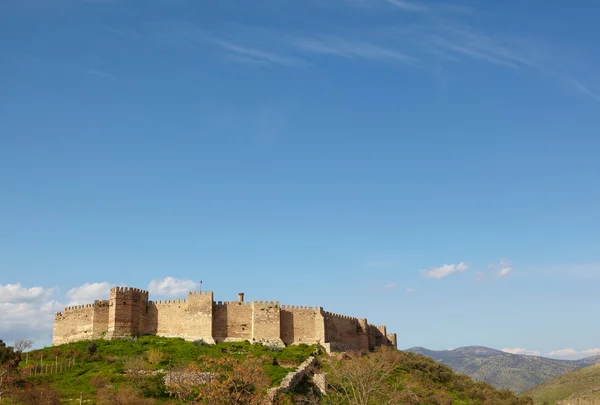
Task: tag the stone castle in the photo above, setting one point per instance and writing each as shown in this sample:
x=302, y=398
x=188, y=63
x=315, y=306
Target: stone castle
x=129, y=313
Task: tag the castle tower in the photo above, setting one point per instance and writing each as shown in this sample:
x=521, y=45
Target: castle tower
x=125, y=311
x=199, y=319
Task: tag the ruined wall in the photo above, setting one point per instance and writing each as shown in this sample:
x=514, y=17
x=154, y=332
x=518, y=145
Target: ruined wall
x=377, y=336
x=300, y=324
x=266, y=324
x=232, y=321
x=124, y=313
x=73, y=324
x=199, y=317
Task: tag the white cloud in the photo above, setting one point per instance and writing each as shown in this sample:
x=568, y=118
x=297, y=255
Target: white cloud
x=27, y=313
x=390, y=286
x=572, y=354
x=520, y=350
x=504, y=271
x=88, y=292
x=409, y=290
x=445, y=270
x=14, y=293
x=171, y=287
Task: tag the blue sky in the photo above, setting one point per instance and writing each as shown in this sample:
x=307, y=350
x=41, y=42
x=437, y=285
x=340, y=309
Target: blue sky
x=431, y=166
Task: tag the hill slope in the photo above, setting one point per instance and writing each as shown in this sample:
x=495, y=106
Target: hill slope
x=582, y=385
x=131, y=371
x=504, y=370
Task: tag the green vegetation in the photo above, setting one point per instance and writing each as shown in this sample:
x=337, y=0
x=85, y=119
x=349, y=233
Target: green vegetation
x=132, y=372
x=142, y=362
x=390, y=376
x=579, y=384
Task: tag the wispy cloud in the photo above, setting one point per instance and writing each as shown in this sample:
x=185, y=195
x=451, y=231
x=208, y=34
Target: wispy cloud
x=336, y=46
x=98, y=73
x=577, y=85
x=410, y=290
x=445, y=270
x=390, y=286
x=421, y=7
x=259, y=56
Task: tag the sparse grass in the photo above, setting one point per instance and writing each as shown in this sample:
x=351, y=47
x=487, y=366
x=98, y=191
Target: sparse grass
x=580, y=382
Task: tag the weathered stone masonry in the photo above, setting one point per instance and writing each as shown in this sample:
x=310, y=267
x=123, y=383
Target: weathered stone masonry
x=128, y=312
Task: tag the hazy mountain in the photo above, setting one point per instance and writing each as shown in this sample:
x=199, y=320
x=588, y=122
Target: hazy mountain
x=515, y=372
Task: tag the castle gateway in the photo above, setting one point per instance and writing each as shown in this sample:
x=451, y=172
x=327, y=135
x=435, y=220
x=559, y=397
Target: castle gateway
x=129, y=313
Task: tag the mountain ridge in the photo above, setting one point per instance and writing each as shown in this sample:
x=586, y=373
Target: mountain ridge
x=516, y=372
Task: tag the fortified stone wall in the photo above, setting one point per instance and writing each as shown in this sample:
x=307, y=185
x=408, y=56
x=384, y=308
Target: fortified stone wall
x=345, y=332
x=129, y=313
x=300, y=324
x=166, y=318
x=125, y=311
x=266, y=322
x=232, y=321
x=81, y=322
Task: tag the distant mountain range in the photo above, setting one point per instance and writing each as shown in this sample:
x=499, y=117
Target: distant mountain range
x=515, y=372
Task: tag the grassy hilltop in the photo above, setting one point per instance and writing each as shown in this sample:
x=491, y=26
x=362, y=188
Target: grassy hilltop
x=131, y=372
x=583, y=384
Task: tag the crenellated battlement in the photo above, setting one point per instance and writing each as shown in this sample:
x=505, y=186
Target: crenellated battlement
x=128, y=312
x=275, y=303
x=129, y=290
x=299, y=308
x=200, y=292
x=233, y=303
x=331, y=314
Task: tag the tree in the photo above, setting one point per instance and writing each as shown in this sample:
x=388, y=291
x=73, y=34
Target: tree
x=9, y=361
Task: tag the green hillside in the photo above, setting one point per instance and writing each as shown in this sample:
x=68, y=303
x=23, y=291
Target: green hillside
x=132, y=372
x=583, y=384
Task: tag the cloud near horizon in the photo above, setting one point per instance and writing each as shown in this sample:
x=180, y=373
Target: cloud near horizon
x=27, y=313
x=560, y=354
x=171, y=287
x=445, y=270
x=520, y=350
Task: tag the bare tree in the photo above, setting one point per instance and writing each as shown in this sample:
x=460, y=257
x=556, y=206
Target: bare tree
x=363, y=379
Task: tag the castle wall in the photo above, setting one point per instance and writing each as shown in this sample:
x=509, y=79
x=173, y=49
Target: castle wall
x=199, y=317
x=167, y=318
x=73, y=324
x=129, y=313
x=266, y=322
x=100, y=319
x=232, y=321
x=124, y=313
x=301, y=324
x=345, y=332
